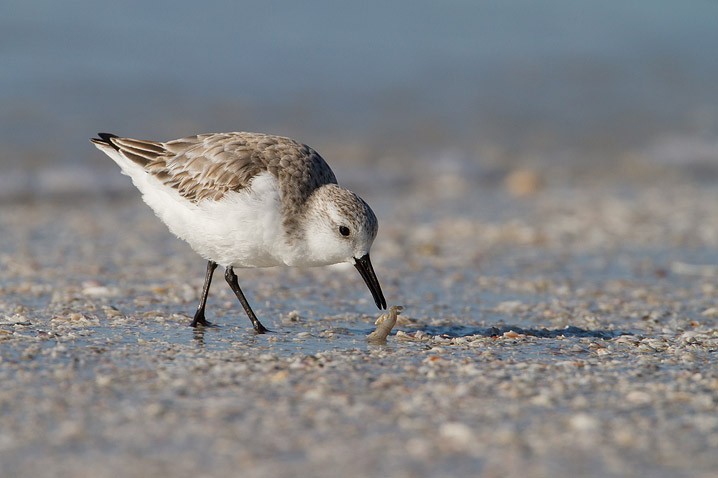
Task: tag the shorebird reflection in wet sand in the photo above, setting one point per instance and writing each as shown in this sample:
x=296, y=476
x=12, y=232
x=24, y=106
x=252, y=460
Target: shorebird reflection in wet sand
x=245, y=200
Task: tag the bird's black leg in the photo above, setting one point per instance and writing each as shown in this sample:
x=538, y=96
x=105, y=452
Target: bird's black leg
x=231, y=278
x=199, y=315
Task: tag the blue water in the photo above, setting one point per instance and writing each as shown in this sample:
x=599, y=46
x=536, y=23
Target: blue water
x=401, y=75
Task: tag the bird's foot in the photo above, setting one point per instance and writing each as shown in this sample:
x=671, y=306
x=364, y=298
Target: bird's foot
x=199, y=320
x=260, y=329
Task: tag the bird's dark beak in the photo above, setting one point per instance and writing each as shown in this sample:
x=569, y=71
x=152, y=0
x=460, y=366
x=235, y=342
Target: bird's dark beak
x=364, y=267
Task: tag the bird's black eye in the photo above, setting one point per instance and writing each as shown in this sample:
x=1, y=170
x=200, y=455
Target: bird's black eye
x=343, y=230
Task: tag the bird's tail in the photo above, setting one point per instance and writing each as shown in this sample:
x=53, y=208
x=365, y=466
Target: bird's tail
x=105, y=140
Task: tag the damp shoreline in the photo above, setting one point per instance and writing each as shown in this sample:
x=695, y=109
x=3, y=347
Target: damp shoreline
x=562, y=337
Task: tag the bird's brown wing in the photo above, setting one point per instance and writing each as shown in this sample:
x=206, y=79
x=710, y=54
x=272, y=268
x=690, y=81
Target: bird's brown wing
x=207, y=166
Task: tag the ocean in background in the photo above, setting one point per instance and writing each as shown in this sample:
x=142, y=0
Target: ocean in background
x=550, y=84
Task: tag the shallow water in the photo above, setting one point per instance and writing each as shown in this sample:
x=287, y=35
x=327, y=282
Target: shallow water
x=121, y=299
x=474, y=86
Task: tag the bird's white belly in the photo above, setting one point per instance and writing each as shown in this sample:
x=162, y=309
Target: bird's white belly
x=243, y=229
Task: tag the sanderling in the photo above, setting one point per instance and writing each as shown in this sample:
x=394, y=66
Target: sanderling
x=249, y=200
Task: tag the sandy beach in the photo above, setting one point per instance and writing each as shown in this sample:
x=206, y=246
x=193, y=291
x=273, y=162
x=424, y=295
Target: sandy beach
x=569, y=333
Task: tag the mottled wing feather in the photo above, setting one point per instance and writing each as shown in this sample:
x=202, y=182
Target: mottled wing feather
x=208, y=166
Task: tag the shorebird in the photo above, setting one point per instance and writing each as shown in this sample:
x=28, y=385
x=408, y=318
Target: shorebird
x=248, y=200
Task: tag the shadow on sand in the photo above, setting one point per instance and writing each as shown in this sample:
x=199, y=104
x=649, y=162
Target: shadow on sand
x=497, y=331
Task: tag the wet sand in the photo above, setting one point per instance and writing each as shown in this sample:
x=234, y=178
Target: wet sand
x=572, y=332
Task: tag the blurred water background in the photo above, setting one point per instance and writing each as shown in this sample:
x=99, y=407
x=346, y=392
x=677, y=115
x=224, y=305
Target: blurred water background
x=572, y=89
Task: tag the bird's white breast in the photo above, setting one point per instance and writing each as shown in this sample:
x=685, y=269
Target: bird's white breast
x=242, y=229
